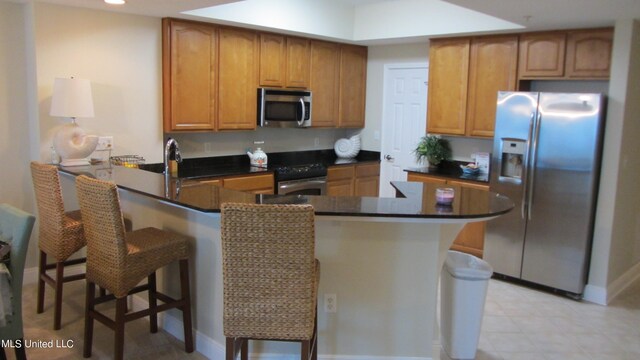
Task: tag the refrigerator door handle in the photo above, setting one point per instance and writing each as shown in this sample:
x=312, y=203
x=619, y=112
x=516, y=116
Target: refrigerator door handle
x=525, y=182
x=532, y=167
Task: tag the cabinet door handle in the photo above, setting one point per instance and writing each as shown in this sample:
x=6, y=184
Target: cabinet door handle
x=388, y=157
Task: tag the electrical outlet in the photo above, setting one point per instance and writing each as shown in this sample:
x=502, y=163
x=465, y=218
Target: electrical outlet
x=316, y=141
x=208, y=147
x=105, y=143
x=330, y=303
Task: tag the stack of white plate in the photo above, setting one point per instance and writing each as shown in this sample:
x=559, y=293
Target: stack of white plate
x=347, y=148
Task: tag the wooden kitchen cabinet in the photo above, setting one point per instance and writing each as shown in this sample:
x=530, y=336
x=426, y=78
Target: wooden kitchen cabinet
x=210, y=74
x=340, y=180
x=353, y=83
x=589, y=53
x=203, y=196
x=575, y=54
x=238, y=77
x=353, y=180
x=324, y=82
x=367, y=180
x=257, y=184
x=298, y=53
x=273, y=54
x=284, y=61
x=465, y=75
x=190, y=55
x=470, y=240
x=542, y=55
x=411, y=176
x=448, y=78
x=254, y=183
x=493, y=63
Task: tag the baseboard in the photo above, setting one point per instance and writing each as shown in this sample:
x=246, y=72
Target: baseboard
x=204, y=344
x=623, y=282
x=215, y=351
x=595, y=294
x=604, y=296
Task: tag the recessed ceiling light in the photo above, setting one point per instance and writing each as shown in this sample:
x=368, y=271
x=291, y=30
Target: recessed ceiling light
x=115, y=2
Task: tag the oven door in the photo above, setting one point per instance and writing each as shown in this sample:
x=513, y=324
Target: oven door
x=313, y=186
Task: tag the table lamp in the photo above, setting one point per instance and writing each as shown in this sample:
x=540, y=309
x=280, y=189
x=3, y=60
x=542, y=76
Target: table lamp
x=72, y=98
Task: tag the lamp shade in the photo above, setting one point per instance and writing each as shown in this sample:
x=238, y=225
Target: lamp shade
x=71, y=98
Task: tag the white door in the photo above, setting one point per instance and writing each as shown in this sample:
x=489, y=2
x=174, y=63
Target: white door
x=403, y=122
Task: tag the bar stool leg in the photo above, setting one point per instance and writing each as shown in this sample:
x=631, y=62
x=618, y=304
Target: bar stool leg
x=244, y=349
x=121, y=309
x=88, y=318
x=57, y=314
x=306, y=350
x=20, y=352
x=153, y=303
x=186, y=306
x=41, y=272
x=230, y=349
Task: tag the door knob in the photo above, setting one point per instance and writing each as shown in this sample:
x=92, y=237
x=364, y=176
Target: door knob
x=388, y=157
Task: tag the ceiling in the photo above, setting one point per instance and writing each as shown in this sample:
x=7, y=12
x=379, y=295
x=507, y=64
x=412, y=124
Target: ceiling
x=373, y=22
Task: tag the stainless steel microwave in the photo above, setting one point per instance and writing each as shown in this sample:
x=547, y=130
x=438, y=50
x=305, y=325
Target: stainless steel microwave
x=284, y=108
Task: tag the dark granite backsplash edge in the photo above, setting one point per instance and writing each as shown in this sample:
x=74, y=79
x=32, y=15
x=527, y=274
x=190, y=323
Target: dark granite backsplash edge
x=326, y=157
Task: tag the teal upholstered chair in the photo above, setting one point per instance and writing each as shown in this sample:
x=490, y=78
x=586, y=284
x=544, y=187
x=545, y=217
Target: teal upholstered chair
x=15, y=229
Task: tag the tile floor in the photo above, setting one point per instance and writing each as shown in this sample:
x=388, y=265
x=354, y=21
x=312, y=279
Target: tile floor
x=519, y=323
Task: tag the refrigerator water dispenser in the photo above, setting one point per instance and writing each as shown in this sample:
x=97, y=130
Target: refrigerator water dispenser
x=513, y=151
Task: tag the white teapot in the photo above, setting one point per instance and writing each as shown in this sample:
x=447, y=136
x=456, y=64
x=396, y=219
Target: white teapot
x=258, y=158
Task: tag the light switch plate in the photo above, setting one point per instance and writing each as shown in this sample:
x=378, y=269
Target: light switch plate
x=105, y=143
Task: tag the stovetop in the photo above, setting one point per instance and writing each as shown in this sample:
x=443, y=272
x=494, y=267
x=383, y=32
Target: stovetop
x=295, y=172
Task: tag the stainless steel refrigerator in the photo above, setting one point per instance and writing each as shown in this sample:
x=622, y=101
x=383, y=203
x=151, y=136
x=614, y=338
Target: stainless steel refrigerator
x=546, y=158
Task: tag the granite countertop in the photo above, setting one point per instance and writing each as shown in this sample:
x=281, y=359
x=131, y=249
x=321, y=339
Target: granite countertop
x=451, y=170
x=198, y=168
x=418, y=201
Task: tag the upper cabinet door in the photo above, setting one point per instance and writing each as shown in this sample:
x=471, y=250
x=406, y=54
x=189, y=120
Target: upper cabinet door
x=324, y=83
x=298, y=52
x=189, y=76
x=493, y=65
x=238, y=79
x=272, y=60
x=448, y=76
x=589, y=53
x=542, y=55
x=353, y=83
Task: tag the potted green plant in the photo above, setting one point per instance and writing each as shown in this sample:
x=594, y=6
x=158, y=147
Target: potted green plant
x=433, y=148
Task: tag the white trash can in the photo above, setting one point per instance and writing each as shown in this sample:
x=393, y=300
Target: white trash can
x=463, y=289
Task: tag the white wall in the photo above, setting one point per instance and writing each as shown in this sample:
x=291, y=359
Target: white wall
x=121, y=55
x=615, y=256
x=14, y=130
x=379, y=56
x=406, y=18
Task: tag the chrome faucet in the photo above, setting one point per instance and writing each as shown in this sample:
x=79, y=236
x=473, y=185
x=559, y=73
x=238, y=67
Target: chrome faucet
x=167, y=151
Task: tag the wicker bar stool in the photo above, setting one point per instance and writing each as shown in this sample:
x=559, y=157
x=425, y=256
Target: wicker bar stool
x=118, y=260
x=270, y=276
x=60, y=236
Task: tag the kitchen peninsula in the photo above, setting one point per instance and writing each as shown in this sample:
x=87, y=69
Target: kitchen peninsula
x=381, y=257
